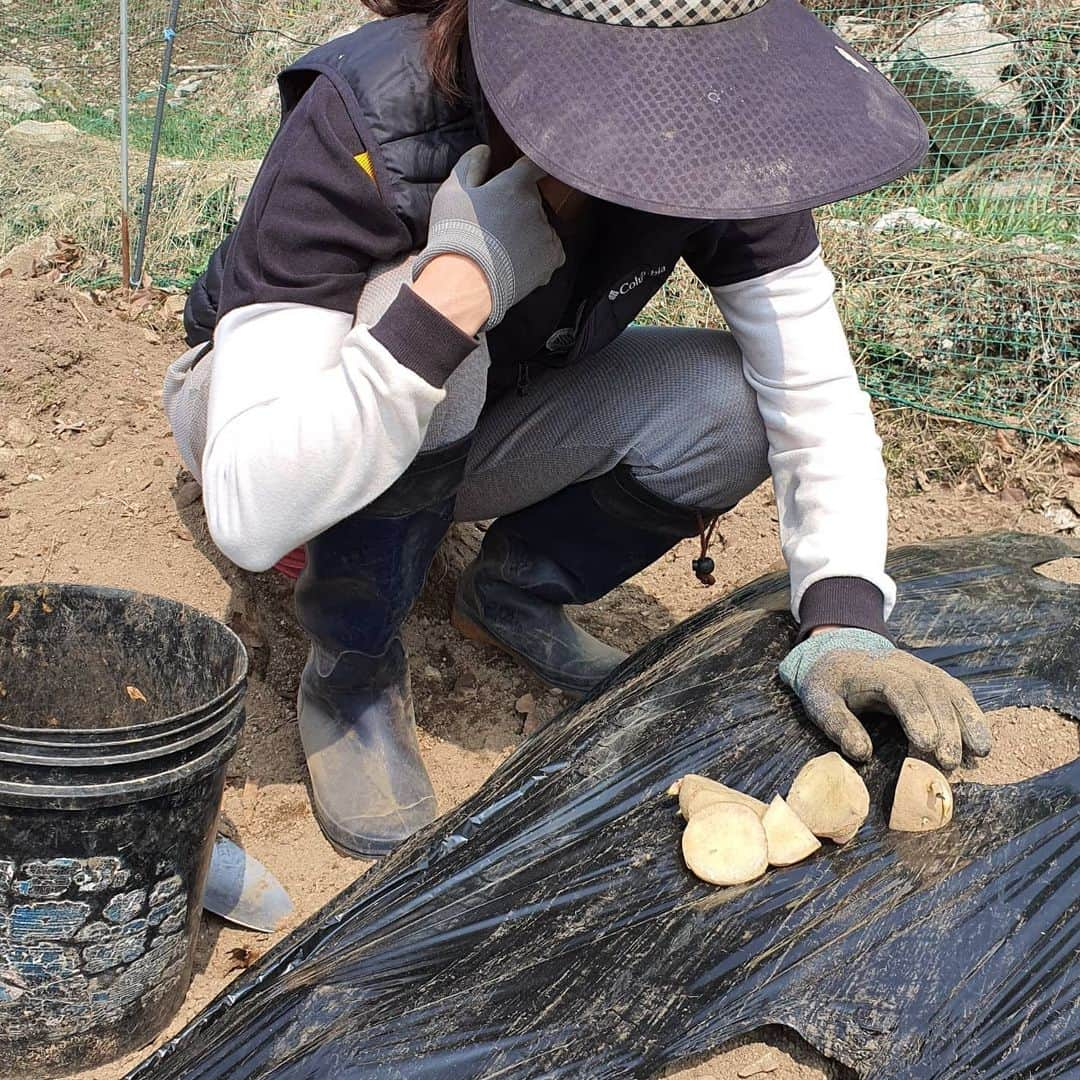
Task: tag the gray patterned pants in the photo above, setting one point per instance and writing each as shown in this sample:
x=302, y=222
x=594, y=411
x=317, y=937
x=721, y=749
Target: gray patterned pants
x=670, y=402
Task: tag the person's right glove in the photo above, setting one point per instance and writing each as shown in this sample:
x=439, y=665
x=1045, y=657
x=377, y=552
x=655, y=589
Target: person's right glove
x=501, y=225
x=837, y=672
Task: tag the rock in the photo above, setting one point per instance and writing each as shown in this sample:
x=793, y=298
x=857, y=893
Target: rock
x=17, y=75
x=432, y=673
x=34, y=133
x=19, y=99
x=908, y=217
x=20, y=434
x=1032, y=186
x=100, y=436
x=191, y=85
x=1061, y=518
x=952, y=68
x=858, y=30
x=58, y=91
x=23, y=260
x=525, y=704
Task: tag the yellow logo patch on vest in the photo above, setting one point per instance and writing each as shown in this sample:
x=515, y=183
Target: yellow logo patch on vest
x=364, y=161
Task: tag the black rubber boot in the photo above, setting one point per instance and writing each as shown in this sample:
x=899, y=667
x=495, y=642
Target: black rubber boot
x=370, y=788
x=571, y=548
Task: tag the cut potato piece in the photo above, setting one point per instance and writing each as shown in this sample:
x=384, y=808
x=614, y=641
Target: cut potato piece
x=830, y=797
x=724, y=844
x=923, y=799
x=696, y=792
x=788, y=838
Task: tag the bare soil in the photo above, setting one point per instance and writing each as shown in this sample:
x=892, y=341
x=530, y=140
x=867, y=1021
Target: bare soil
x=89, y=490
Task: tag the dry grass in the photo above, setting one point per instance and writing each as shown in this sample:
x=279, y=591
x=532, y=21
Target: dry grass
x=44, y=191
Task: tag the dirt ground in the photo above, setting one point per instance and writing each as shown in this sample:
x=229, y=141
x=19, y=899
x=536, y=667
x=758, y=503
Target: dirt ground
x=88, y=482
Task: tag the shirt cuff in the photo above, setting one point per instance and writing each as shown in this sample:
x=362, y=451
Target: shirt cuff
x=422, y=339
x=842, y=601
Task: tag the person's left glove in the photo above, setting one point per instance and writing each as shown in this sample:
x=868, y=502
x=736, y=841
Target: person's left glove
x=838, y=672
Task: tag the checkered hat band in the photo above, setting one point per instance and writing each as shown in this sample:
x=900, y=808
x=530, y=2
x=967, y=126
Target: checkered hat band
x=653, y=13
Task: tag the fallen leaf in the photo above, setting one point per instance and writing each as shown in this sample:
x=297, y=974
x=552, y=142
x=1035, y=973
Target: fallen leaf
x=1015, y=495
x=985, y=483
x=241, y=958
x=16, y=607
x=1003, y=443
x=525, y=704
x=135, y=693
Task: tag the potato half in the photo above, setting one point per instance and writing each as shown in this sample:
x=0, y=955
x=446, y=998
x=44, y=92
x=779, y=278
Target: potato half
x=788, y=838
x=830, y=797
x=923, y=800
x=724, y=844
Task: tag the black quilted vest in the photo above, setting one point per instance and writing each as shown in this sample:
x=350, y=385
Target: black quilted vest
x=414, y=137
x=412, y=133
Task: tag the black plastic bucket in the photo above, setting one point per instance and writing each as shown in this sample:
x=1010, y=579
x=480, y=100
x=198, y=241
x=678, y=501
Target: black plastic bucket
x=118, y=714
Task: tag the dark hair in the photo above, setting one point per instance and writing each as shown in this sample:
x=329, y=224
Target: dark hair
x=447, y=26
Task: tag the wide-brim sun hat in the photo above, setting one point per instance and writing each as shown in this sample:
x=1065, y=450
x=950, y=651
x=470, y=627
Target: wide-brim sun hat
x=692, y=108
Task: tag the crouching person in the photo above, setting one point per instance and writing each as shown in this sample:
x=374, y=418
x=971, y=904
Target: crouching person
x=425, y=314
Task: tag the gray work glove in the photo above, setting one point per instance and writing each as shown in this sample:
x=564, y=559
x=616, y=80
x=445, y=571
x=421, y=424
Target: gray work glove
x=501, y=225
x=838, y=672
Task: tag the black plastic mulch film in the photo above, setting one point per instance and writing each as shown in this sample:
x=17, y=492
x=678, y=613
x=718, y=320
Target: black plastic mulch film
x=548, y=927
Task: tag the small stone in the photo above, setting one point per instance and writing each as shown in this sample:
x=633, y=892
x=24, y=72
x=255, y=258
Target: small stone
x=525, y=704
x=433, y=673
x=158, y=461
x=465, y=681
x=1062, y=518
x=187, y=493
x=1014, y=495
x=100, y=436
x=4, y=512
x=767, y=1063
x=23, y=261
x=20, y=434
x=191, y=85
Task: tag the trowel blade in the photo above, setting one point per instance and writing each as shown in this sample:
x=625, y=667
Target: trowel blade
x=239, y=888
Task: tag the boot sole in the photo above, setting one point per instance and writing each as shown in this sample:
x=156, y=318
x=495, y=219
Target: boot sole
x=472, y=630
x=366, y=849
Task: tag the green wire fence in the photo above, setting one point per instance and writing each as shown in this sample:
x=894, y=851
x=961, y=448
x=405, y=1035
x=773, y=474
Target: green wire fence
x=960, y=284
